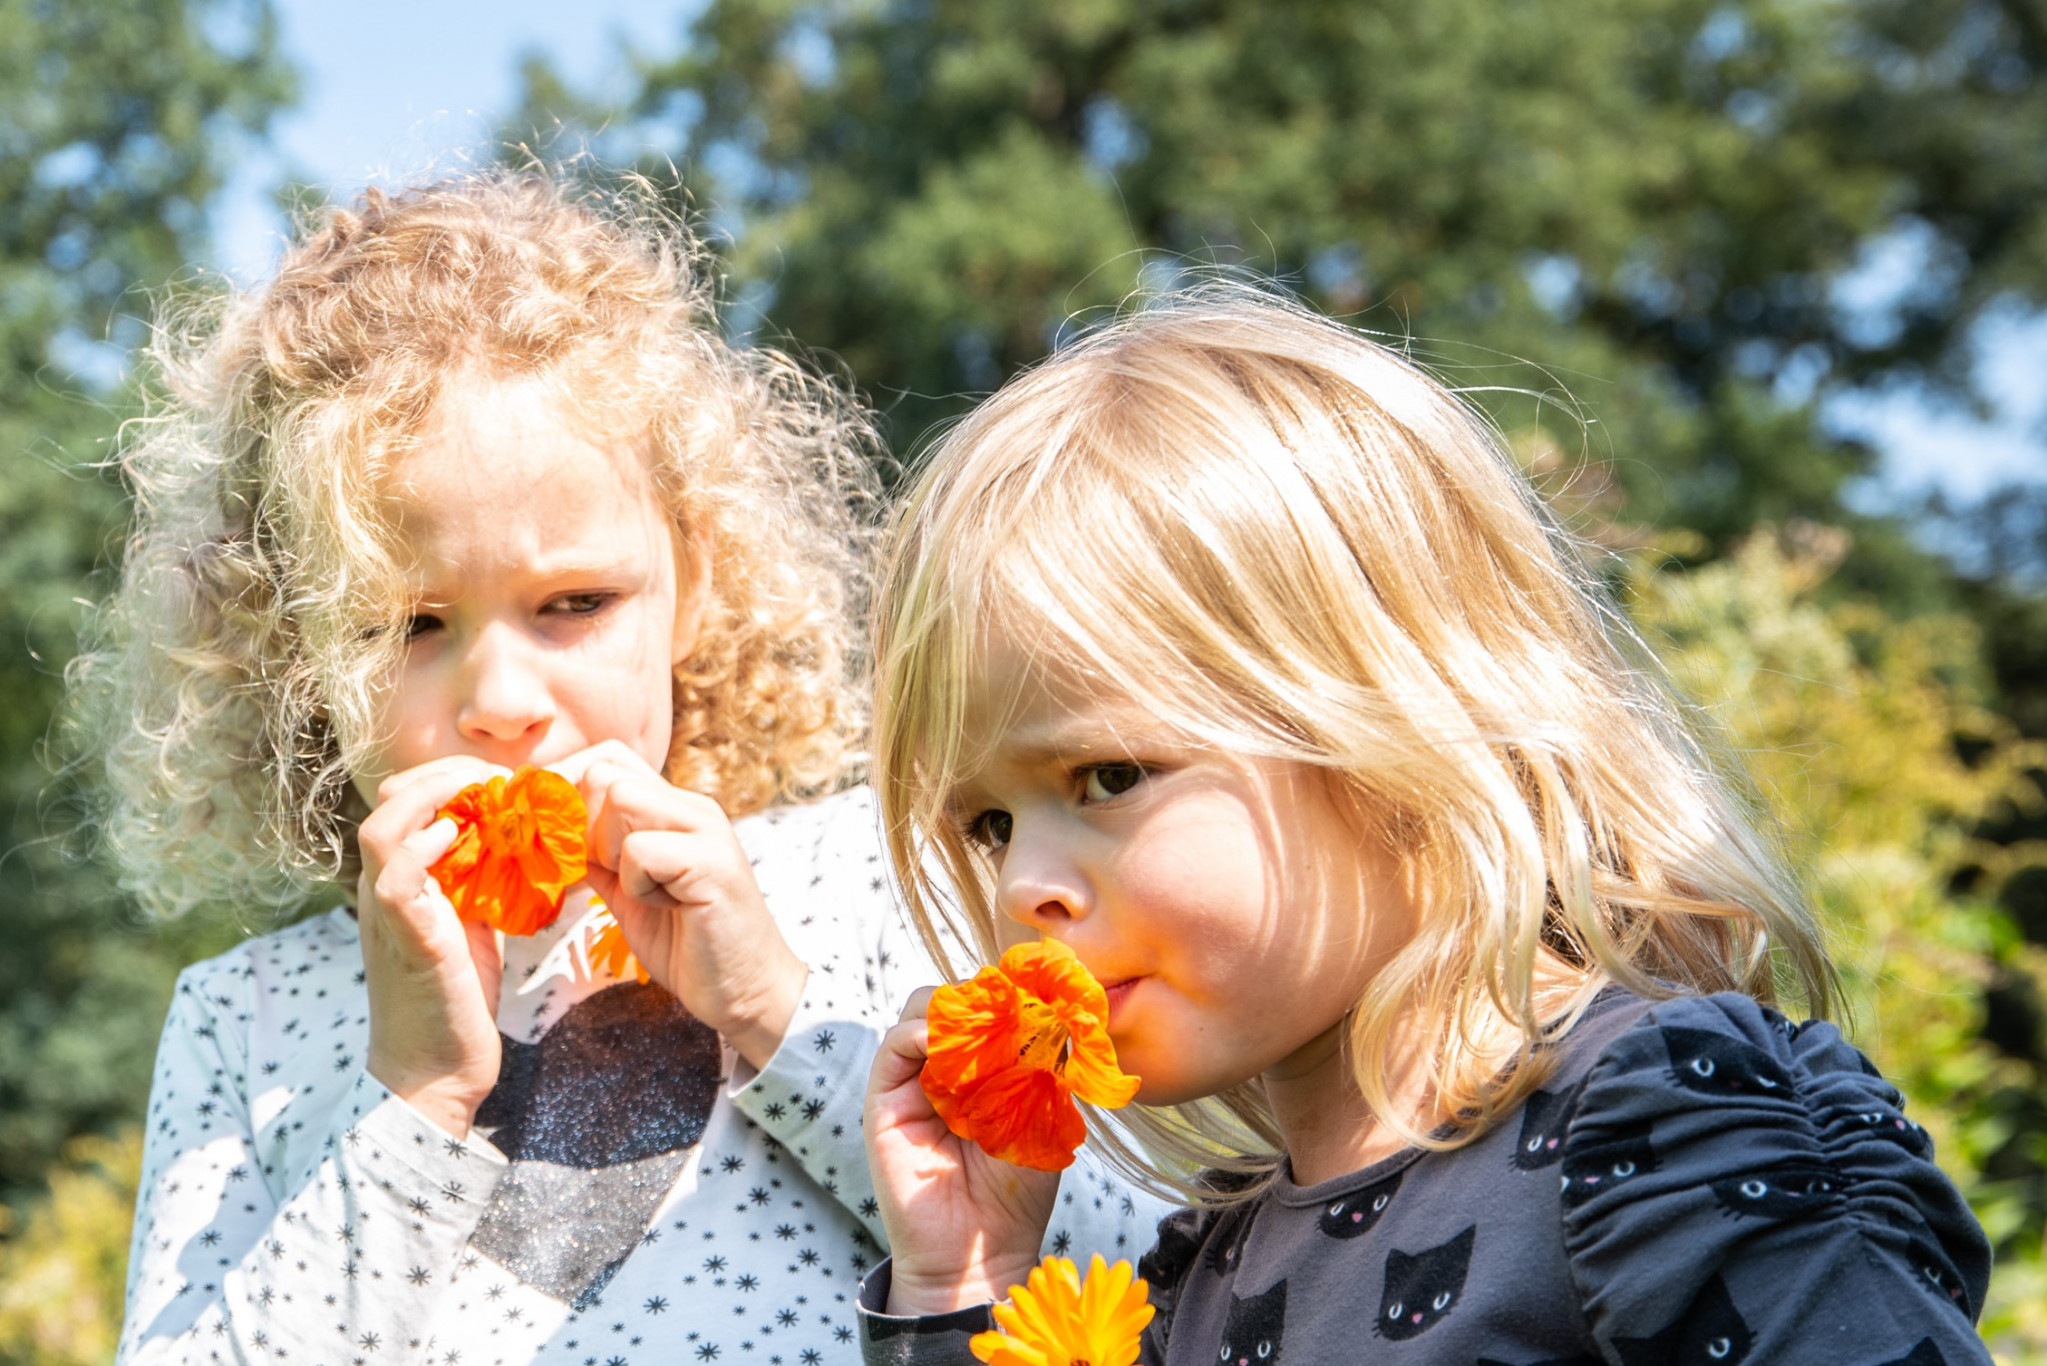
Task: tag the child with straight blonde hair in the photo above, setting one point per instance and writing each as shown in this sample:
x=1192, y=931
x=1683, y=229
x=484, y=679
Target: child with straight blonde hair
x=1230, y=651
x=475, y=484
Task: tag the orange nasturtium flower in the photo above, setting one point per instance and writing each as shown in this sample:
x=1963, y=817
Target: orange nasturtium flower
x=1010, y=1049
x=520, y=848
x=609, y=950
x=1052, y=1320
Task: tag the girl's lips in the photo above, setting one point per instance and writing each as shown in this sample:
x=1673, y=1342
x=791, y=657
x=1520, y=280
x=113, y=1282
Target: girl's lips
x=1118, y=993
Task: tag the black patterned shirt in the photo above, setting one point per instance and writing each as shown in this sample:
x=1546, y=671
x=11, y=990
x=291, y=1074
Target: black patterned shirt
x=1700, y=1182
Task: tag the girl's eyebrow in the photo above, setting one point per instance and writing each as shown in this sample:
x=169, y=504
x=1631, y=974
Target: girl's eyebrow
x=573, y=565
x=1063, y=741
x=549, y=568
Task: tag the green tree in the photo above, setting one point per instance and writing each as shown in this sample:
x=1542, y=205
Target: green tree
x=116, y=121
x=1662, y=202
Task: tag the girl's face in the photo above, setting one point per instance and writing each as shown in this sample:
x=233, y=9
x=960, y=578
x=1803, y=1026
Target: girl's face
x=1233, y=912
x=551, y=602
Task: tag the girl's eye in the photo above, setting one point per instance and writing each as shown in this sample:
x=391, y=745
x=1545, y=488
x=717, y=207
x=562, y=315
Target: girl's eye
x=1112, y=780
x=580, y=604
x=420, y=624
x=991, y=829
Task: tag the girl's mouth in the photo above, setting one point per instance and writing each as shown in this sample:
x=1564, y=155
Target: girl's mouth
x=1119, y=993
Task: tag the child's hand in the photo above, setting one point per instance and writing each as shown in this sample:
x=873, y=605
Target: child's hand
x=963, y=1227
x=433, y=981
x=668, y=864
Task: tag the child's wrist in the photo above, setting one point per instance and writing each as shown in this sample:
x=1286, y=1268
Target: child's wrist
x=758, y=1026
x=448, y=1103
x=914, y=1293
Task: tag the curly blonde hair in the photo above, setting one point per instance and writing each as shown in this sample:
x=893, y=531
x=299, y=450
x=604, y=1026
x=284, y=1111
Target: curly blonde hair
x=1286, y=542
x=230, y=692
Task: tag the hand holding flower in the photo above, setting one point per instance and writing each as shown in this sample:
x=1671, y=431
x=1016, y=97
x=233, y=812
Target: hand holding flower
x=676, y=879
x=970, y=1112
x=432, y=978
x=963, y=1226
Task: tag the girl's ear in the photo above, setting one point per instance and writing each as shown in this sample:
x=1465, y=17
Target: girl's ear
x=692, y=596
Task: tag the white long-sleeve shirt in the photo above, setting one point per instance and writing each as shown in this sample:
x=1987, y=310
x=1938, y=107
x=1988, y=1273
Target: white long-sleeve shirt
x=632, y=1193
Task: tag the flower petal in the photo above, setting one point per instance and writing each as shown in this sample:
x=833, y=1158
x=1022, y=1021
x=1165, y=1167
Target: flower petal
x=1023, y=1115
x=519, y=848
x=1093, y=1074
x=1055, y=1320
x=1009, y=1049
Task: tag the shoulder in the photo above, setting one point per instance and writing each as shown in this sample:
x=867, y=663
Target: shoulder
x=822, y=861
x=1711, y=1136
x=843, y=824
x=1728, y=1056
x=320, y=946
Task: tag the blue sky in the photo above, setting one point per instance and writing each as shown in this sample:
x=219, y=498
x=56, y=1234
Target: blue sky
x=391, y=91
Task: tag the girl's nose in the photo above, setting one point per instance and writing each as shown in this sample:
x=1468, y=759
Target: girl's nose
x=1039, y=885
x=507, y=697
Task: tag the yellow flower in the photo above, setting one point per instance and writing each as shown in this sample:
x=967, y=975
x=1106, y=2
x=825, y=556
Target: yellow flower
x=1051, y=1320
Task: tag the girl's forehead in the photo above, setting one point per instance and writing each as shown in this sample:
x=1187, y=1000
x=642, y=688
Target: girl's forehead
x=500, y=482
x=488, y=441
x=1036, y=699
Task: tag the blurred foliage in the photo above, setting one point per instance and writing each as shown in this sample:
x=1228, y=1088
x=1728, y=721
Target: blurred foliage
x=116, y=119
x=62, y=1270
x=1847, y=719
x=1661, y=205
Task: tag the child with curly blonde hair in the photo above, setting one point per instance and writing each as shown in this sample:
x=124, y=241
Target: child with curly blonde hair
x=474, y=484
x=1230, y=652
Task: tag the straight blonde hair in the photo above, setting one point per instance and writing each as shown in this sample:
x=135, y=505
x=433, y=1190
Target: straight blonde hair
x=1285, y=541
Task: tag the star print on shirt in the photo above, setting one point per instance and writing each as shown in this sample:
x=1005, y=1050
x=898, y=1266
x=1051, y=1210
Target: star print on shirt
x=334, y=1197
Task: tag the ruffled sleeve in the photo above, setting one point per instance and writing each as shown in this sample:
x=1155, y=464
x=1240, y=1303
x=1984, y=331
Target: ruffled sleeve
x=1739, y=1187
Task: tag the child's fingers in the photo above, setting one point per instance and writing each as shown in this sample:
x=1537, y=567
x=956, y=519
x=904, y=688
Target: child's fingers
x=624, y=803
x=614, y=753
x=450, y=773
x=654, y=861
x=405, y=892
x=486, y=954
x=406, y=806
x=919, y=1004
x=900, y=1058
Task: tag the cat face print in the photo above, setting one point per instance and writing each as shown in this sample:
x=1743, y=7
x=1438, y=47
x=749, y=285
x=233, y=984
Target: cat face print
x=1352, y=1215
x=1543, y=1121
x=1717, y=1065
x=1779, y=1193
x=1710, y=1333
x=1912, y=1137
x=1599, y=1162
x=1421, y=1287
x=1226, y=1244
x=1257, y=1323
x=1937, y=1273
